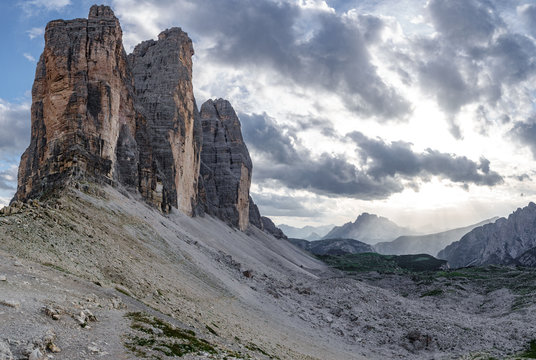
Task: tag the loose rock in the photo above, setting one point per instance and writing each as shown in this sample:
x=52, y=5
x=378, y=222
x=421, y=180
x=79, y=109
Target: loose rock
x=5, y=352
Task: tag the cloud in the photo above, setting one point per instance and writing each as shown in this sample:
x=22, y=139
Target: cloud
x=525, y=132
x=512, y=58
x=284, y=205
x=15, y=125
x=279, y=157
x=263, y=134
x=385, y=168
x=35, y=32
x=465, y=22
x=31, y=7
x=29, y=57
x=473, y=57
x=4, y=202
x=527, y=13
x=8, y=178
x=382, y=160
x=293, y=45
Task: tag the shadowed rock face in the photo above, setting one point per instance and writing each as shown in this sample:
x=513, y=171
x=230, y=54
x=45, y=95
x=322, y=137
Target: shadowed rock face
x=82, y=101
x=506, y=241
x=255, y=215
x=225, y=173
x=269, y=226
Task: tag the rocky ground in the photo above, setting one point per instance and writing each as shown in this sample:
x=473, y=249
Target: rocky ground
x=126, y=282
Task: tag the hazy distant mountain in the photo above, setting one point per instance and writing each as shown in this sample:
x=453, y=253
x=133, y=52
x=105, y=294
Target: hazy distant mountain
x=306, y=232
x=333, y=246
x=370, y=229
x=313, y=236
x=501, y=242
x=425, y=244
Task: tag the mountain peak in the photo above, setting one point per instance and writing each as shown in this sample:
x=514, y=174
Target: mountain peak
x=367, y=216
x=132, y=121
x=501, y=242
x=101, y=12
x=369, y=228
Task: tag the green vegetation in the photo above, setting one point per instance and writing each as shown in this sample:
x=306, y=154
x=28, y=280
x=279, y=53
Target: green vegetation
x=154, y=338
x=253, y=347
x=430, y=278
x=530, y=352
x=211, y=330
x=159, y=337
x=386, y=264
x=435, y=292
x=58, y=268
x=122, y=291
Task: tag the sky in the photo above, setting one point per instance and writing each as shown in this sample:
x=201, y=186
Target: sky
x=419, y=111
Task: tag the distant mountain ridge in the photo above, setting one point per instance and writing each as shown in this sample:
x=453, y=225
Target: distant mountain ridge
x=370, y=229
x=504, y=242
x=428, y=244
x=307, y=232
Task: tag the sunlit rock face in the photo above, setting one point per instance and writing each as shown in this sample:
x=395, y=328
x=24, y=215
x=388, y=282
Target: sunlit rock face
x=82, y=106
x=100, y=115
x=225, y=173
x=162, y=72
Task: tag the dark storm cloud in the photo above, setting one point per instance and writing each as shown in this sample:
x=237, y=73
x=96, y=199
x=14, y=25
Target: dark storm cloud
x=526, y=134
x=473, y=58
x=8, y=179
x=283, y=160
x=268, y=36
x=476, y=40
x=388, y=160
x=283, y=205
x=385, y=168
x=443, y=78
x=528, y=14
x=512, y=58
x=332, y=176
x=464, y=22
x=261, y=133
x=14, y=129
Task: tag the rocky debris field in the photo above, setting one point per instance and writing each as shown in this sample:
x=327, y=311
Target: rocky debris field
x=97, y=274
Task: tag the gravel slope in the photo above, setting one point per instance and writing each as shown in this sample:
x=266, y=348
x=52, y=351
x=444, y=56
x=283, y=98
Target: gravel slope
x=243, y=292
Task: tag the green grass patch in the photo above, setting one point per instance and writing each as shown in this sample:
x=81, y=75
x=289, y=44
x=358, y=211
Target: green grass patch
x=386, y=264
x=530, y=352
x=156, y=336
x=253, y=347
x=434, y=292
x=58, y=268
x=211, y=330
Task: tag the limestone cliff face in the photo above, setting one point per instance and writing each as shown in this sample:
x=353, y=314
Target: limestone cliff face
x=100, y=115
x=162, y=72
x=225, y=173
x=269, y=227
x=81, y=103
x=255, y=218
